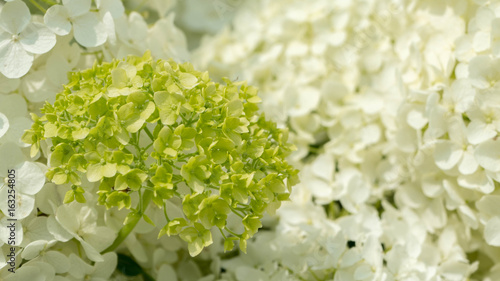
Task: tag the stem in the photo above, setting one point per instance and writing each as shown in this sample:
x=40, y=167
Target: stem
x=38, y=6
x=165, y=211
x=51, y=3
x=232, y=232
x=148, y=132
x=235, y=212
x=131, y=223
x=223, y=235
x=141, y=207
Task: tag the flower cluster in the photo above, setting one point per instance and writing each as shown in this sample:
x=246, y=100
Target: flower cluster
x=163, y=130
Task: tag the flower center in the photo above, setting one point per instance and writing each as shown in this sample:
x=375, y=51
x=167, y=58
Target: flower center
x=15, y=37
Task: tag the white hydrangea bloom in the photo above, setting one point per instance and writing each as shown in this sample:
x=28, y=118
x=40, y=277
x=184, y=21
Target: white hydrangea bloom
x=20, y=39
x=88, y=28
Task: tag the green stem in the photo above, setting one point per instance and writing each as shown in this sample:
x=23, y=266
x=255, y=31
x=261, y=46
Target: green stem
x=223, y=235
x=131, y=223
x=148, y=132
x=232, y=232
x=38, y=6
x=236, y=212
x=165, y=211
x=51, y=3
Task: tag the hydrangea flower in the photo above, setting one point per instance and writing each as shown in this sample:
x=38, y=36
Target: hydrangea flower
x=88, y=29
x=21, y=39
x=160, y=130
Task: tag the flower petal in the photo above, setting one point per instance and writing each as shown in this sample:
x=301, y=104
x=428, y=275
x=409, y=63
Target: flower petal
x=37, y=38
x=26, y=272
x=105, y=268
x=447, y=154
x=30, y=178
x=468, y=165
x=23, y=206
x=492, y=231
x=89, y=30
x=478, y=132
x=115, y=7
x=14, y=17
x=77, y=7
x=11, y=157
x=16, y=130
x=487, y=155
x=13, y=106
x=56, y=18
x=59, y=261
x=14, y=60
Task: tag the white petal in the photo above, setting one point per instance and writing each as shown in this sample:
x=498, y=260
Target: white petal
x=100, y=238
x=488, y=205
x=468, y=216
x=487, y=155
x=105, y=268
x=59, y=261
x=481, y=41
x=89, y=30
x=416, y=119
x=246, y=273
x=167, y=273
x=30, y=178
x=13, y=106
x=492, y=231
x=4, y=124
x=36, y=229
x=8, y=85
x=14, y=17
x=79, y=268
x=370, y=134
x=57, y=19
x=57, y=230
x=37, y=38
x=109, y=25
x=115, y=7
x=65, y=215
x=33, y=249
x=11, y=156
x=468, y=165
x=447, y=154
x=478, y=180
x=23, y=205
x=91, y=252
x=37, y=87
x=14, y=60
x=303, y=100
x=17, y=127
x=324, y=166
x=57, y=67
x=27, y=272
x=77, y=7
x=478, y=132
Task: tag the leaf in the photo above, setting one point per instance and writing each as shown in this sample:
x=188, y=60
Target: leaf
x=148, y=220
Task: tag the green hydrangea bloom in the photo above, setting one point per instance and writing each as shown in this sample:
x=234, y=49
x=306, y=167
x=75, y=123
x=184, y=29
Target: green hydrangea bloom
x=165, y=130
